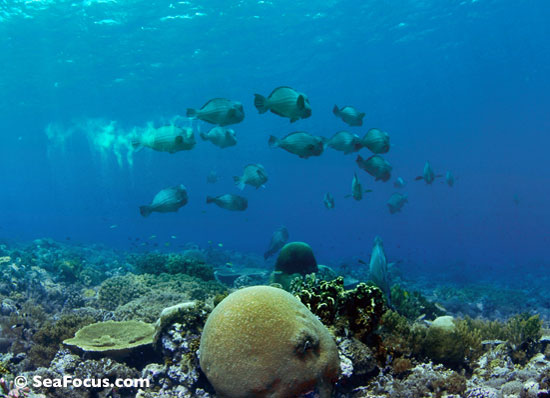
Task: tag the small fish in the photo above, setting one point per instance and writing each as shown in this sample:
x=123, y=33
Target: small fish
x=220, y=111
x=377, y=141
x=173, y=237
x=399, y=183
x=220, y=136
x=153, y=237
x=396, y=202
x=349, y=115
x=254, y=174
x=229, y=264
x=299, y=143
x=220, y=244
x=278, y=240
x=169, y=139
x=428, y=174
x=376, y=166
x=345, y=141
x=361, y=262
x=357, y=189
x=167, y=200
x=229, y=202
x=113, y=226
x=328, y=200
x=285, y=102
x=212, y=177
x=449, y=178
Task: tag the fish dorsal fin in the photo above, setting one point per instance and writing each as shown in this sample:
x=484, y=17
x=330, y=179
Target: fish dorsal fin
x=301, y=102
x=281, y=88
x=215, y=99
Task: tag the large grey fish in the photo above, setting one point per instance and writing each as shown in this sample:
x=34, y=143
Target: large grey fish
x=396, y=202
x=349, y=115
x=165, y=201
x=449, y=178
x=345, y=141
x=299, y=143
x=220, y=111
x=428, y=174
x=220, y=136
x=328, y=200
x=376, y=166
x=378, y=268
x=229, y=202
x=285, y=102
x=278, y=240
x=254, y=174
x=166, y=139
x=377, y=141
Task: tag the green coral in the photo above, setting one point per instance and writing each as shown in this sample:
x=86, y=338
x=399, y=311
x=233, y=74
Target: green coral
x=119, y=290
x=48, y=338
x=296, y=258
x=358, y=310
x=144, y=296
x=190, y=262
x=116, y=338
x=413, y=304
x=457, y=344
x=452, y=343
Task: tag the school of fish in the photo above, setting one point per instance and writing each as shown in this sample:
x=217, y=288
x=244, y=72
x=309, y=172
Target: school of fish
x=288, y=103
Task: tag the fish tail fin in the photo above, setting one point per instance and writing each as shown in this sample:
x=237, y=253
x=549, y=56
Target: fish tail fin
x=360, y=117
x=260, y=102
x=239, y=181
x=335, y=110
x=203, y=136
x=191, y=113
x=273, y=141
x=209, y=199
x=145, y=211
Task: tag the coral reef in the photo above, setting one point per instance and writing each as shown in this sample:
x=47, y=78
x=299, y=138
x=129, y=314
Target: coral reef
x=495, y=345
x=113, y=338
x=357, y=310
x=49, y=337
x=191, y=262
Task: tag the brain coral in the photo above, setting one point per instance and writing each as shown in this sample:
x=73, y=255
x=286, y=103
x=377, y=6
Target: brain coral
x=263, y=342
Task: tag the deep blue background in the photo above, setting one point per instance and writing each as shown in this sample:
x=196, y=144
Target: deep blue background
x=464, y=84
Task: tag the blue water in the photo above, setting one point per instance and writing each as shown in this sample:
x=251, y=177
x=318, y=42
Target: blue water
x=463, y=84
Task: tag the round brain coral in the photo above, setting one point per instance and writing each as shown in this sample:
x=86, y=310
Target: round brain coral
x=296, y=257
x=263, y=342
